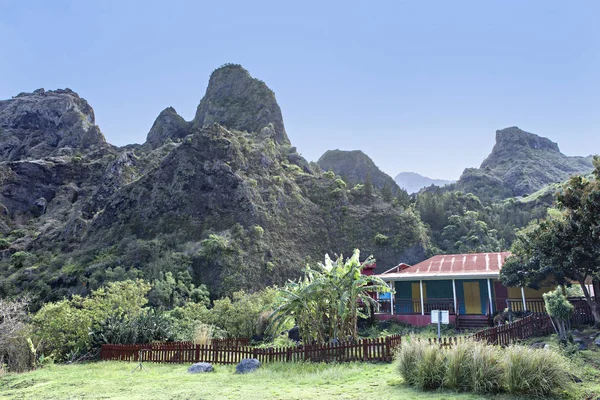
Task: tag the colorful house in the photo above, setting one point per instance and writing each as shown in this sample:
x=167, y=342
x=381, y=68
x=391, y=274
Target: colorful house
x=467, y=285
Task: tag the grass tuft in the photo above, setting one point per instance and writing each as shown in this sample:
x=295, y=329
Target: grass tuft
x=533, y=372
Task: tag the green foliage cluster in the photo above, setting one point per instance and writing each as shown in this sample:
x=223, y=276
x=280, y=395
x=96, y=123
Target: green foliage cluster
x=560, y=310
x=463, y=223
x=62, y=328
x=472, y=366
x=326, y=303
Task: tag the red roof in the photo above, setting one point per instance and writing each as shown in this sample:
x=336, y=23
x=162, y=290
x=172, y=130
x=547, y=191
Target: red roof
x=455, y=264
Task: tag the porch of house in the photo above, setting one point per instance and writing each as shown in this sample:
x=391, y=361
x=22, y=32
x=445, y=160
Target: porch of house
x=471, y=302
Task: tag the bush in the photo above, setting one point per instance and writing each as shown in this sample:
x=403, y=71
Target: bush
x=480, y=368
x=459, y=369
x=62, y=329
x=408, y=358
x=421, y=364
x=204, y=334
x=533, y=372
x=432, y=367
x=486, y=368
x=145, y=327
x=16, y=354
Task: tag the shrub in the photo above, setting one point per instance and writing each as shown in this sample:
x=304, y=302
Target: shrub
x=62, y=329
x=459, y=370
x=204, y=334
x=4, y=244
x=407, y=359
x=145, y=327
x=533, y=372
x=421, y=364
x=486, y=371
x=480, y=368
x=340, y=183
x=560, y=310
x=432, y=367
x=15, y=353
x=381, y=239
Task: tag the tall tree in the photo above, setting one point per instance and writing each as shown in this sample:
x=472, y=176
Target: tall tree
x=565, y=246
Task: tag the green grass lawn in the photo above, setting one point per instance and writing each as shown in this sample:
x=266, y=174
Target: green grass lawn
x=114, y=380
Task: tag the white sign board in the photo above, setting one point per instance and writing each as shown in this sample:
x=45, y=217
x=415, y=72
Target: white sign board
x=444, y=315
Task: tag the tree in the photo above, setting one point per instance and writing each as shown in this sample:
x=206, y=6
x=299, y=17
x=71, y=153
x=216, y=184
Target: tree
x=560, y=310
x=565, y=246
x=328, y=301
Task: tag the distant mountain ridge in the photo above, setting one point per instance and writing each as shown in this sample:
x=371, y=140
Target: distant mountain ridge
x=413, y=182
x=520, y=163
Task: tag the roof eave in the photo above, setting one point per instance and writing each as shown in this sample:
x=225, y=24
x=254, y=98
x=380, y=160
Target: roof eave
x=412, y=277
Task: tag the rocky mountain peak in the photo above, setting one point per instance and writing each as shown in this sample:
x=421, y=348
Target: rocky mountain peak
x=45, y=123
x=238, y=101
x=520, y=163
x=168, y=125
x=515, y=137
x=356, y=167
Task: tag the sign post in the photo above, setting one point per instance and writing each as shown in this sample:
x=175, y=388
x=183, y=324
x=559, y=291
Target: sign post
x=440, y=317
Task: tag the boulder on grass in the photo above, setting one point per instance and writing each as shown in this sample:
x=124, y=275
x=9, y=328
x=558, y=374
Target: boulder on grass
x=200, y=367
x=597, y=341
x=538, y=345
x=247, y=365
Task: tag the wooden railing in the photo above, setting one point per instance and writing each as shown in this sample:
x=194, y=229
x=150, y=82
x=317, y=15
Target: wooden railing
x=413, y=306
x=503, y=335
x=533, y=305
x=380, y=349
x=582, y=314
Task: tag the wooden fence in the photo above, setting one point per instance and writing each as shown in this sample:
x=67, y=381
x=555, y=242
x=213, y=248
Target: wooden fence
x=380, y=349
x=503, y=335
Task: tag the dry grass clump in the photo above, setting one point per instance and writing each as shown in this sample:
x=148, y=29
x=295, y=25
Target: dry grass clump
x=204, y=334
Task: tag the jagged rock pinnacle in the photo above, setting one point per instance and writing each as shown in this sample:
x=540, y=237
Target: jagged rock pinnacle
x=168, y=125
x=238, y=101
x=45, y=123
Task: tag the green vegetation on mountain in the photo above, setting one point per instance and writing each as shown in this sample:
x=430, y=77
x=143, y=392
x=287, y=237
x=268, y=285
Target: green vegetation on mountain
x=201, y=203
x=224, y=203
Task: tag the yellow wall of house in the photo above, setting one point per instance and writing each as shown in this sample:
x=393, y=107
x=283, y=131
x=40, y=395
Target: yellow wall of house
x=515, y=292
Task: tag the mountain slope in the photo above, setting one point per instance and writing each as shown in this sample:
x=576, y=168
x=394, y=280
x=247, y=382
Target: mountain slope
x=233, y=207
x=520, y=163
x=413, y=182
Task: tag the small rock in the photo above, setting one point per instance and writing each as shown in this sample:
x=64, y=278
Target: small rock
x=200, y=367
x=575, y=378
x=247, y=365
x=597, y=341
x=547, y=347
x=538, y=345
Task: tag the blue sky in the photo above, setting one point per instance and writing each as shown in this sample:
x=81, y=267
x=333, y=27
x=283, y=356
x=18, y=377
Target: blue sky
x=419, y=86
